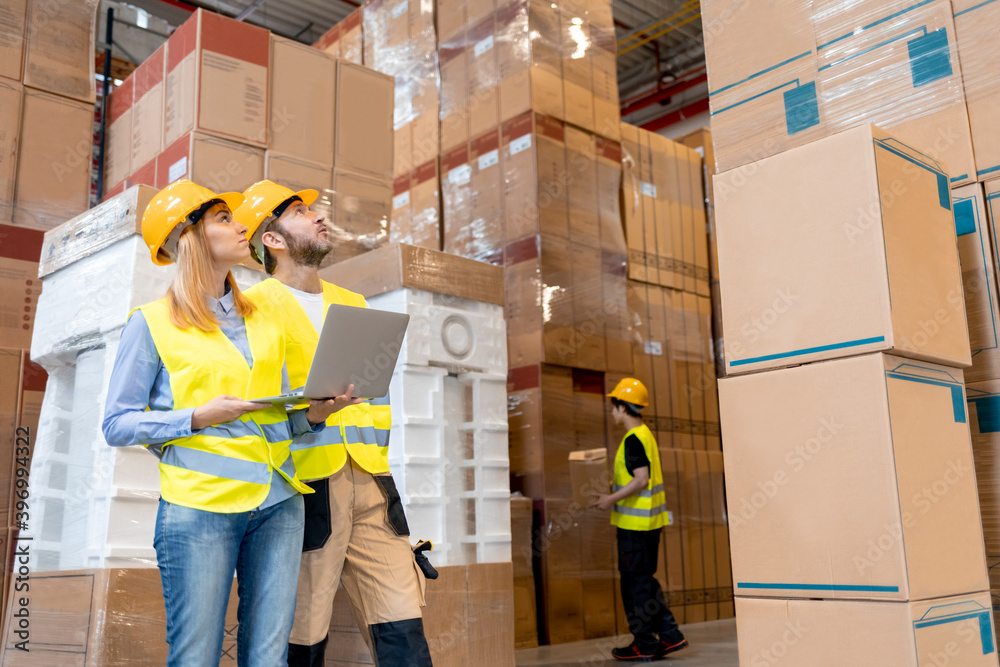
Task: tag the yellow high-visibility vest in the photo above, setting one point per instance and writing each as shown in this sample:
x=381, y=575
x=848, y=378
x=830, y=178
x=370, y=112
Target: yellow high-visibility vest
x=227, y=467
x=359, y=431
x=647, y=509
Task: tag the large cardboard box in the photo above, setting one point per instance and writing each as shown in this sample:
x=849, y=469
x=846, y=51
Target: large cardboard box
x=118, y=143
x=521, y=534
x=578, y=80
x=896, y=66
x=218, y=164
x=416, y=208
x=399, y=265
x=54, y=160
x=147, y=109
x=604, y=58
x=484, y=77
x=856, y=222
x=363, y=123
x=456, y=198
x=112, y=220
x=360, y=208
x=762, y=75
x=976, y=26
x=455, y=100
x=984, y=421
x=528, y=55
x=216, y=65
x=19, y=252
x=10, y=125
x=485, y=234
x=533, y=157
x=13, y=30
x=979, y=279
x=954, y=631
x=303, y=81
x=852, y=478
x=352, y=38
x=59, y=54
x=297, y=174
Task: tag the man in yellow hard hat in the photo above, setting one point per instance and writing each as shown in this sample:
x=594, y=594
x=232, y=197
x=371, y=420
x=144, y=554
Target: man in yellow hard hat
x=356, y=533
x=639, y=511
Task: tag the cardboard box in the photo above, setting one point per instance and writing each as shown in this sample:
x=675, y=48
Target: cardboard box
x=146, y=174
x=13, y=30
x=398, y=265
x=118, y=143
x=297, y=174
x=578, y=78
x=484, y=79
x=147, y=110
x=897, y=67
x=110, y=221
x=456, y=197
x=19, y=252
x=589, y=474
x=614, y=259
x=416, y=208
x=218, y=164
x=10, y=396
x=10, y=125
x=110, y=617
x=581, y=161
x=528, y=32
x=455, y=100
x=329, y=41
x=451, y=20
x=951, y=631
x=984, y=421
x=976, y=25
x=979, y=280
x=762, y=77
x=303, y=81
x=876, y=194
x=359, y=214
x=604, y=64
x=54, y=160
x=363, y=124
x=852, y=479
x=533, y=150
x=485, y=235
x=216, y=64
x=521, y=549
x=59, y=54
x=352, y=38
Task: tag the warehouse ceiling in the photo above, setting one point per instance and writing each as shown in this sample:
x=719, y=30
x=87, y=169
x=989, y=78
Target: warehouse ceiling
x=661, y=61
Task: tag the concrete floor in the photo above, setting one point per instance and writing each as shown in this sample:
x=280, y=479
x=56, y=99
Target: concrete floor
x=711, y=644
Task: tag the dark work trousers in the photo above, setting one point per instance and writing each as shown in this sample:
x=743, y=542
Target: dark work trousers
x=645, y=607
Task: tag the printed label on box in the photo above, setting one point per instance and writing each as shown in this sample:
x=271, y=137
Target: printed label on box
x=653, y=347
x=489, y=159
x=647, y=189
x=520, y=144
x=399, y=10
x=460, y=175
x=177, y=169
x=399, y=201
x=483, y=45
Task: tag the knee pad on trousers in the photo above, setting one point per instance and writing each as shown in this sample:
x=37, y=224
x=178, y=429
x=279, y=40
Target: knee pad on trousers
x=300, y=655
x=400, y=644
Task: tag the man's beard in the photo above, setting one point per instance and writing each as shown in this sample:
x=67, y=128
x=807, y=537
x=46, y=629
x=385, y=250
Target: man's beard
x=308, y=253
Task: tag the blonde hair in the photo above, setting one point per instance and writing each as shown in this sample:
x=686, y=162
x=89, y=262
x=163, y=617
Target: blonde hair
x=194, y=280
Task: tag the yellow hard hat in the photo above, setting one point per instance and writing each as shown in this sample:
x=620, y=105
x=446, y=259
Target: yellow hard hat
x=260, y=201
x=169, y=212
x=631, y=391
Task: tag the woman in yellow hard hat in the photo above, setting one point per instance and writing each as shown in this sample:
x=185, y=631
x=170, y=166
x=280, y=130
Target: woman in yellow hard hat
x=230, y=498
x=639, y=511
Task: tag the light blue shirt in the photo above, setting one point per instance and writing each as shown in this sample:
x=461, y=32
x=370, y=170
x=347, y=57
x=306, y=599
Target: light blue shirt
x=139, y=379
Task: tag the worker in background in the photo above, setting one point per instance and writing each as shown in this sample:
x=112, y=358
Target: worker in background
x=230, y=501
x=356, y=533
x=638, y=509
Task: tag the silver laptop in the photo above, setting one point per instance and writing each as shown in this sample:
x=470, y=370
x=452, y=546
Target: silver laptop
x=357, y=346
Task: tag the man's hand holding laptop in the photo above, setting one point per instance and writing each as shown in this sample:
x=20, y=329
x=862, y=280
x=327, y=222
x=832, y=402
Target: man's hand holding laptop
x=319, y=410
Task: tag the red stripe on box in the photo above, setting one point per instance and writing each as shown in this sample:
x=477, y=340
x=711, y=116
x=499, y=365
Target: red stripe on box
x=550, y=127
x=508, y=14
x=149, y=73
x=33, y=376
x=20, y=243
x=401, y=185
x=481, y=30
x=183, y=41
x=425, y=172
x=485, y=143
x=610, y=150
x=456, y=157
x=588, y=382
x=351, y=21
x=121, y=99
x=174, y=152
x=521, y=251
x=229, y=37
x=145, y=175
x=328, y=38
x=517, y=127
x=525, y=377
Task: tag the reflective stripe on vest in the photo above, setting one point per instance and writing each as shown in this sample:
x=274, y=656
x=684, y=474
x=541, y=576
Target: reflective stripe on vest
x=225, y=467
x=646, y=509
x=354, y=431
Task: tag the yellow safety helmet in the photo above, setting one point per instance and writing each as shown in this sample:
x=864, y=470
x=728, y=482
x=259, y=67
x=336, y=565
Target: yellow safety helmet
x=260, y=202
x=631, y=391
x=170, y=211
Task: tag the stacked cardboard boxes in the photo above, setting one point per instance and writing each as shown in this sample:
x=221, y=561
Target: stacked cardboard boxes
x=787, y=73
x=46, y=111
x=850, y=485
x=306, y=119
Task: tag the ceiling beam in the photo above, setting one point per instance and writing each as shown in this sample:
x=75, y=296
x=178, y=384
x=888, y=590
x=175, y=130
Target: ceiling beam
x=661, y=93
x=687, y=111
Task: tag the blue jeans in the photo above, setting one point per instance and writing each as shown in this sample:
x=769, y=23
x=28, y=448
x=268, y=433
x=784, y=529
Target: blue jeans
x=198, y=552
